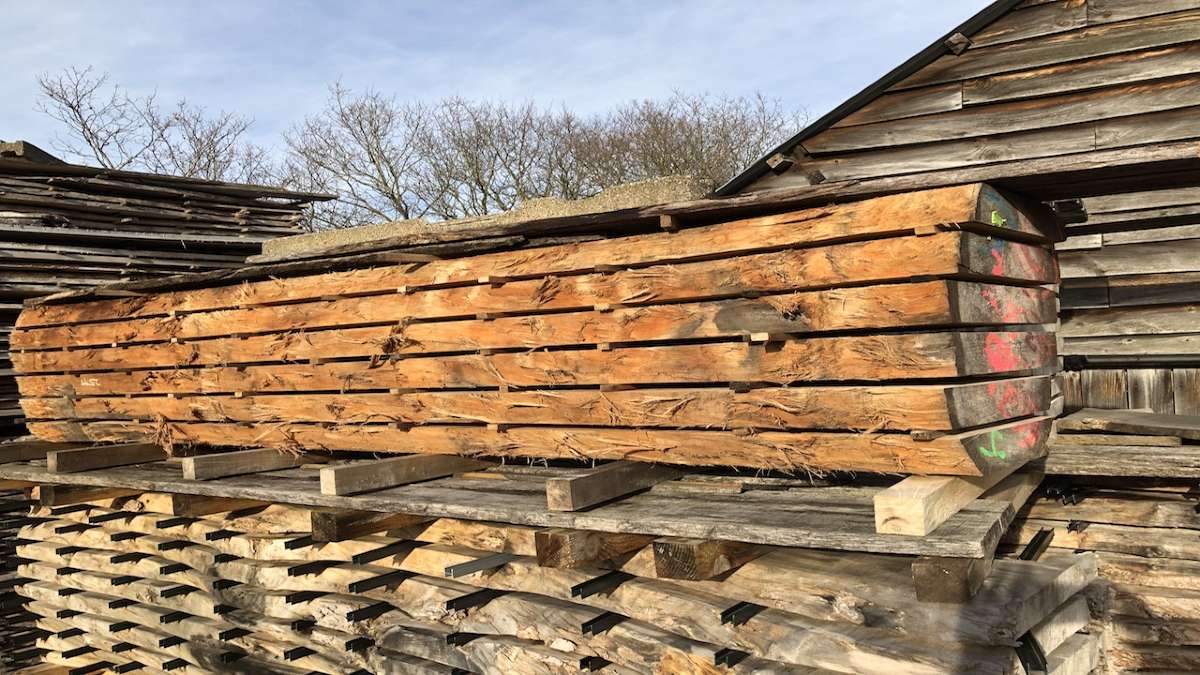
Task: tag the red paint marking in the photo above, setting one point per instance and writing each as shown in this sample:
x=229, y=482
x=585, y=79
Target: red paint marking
x=1009, y=311
x=1011, y=400
x=998, y=257
x=1001, y=352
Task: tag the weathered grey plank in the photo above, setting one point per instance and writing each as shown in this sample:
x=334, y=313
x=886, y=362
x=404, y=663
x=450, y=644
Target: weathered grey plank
x=1002, y=118
x=1117, y=38
x=1063, y=78
x=759, y=519
x=1133, y=422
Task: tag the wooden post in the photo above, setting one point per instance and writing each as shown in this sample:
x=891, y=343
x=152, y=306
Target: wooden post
x=605, y=482
x=219, y=465
x=342, y=524
x=346, y=479
x=103, y=457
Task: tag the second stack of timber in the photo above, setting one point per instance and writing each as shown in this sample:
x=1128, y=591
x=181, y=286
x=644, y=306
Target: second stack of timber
x=1124, y=484
x=246, y=588
x=66, y=227
x=902, y=334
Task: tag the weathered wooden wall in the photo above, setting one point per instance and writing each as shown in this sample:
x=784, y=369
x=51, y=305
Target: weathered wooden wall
x=1131, y=303
x=1049, y=79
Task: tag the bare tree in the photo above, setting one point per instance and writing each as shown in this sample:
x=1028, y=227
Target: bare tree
x=364, y=147
x=461, y=158
x=108, y=126
x=102, y=124
x=390, y=160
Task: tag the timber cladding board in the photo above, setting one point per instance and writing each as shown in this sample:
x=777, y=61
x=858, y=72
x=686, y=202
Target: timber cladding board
x=711, y=326
x=1055, y=79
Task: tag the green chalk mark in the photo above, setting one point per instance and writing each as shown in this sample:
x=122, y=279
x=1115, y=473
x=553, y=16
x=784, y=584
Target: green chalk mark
x=993, y=452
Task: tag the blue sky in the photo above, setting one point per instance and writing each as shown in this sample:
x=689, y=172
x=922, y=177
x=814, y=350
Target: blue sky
x=273, y=60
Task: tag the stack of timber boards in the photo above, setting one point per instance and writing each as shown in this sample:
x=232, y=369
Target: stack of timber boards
x=1126, y=485
x=1131, y=302
x=237, y=587
x=18, y=634
x=1126, y=443
x=66, y=227
x=815, y=340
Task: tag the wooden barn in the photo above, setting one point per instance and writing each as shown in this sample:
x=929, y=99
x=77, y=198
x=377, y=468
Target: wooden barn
x=1090, y=100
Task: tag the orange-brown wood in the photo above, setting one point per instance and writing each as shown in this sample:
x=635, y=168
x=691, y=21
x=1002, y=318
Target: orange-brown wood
x=876, y=408
x=928, y=304
x=872, y=357
x=874, y=218
x=974, y=453
x=946, y=254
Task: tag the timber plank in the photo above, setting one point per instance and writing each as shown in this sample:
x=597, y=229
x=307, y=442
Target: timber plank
x=949, y=253
x=561, y=547
x=973, y=453
x=912, y=103
x=927, y=355
x=1157, y=257
x=357, y=477
x=1132, y=421
x=1131, y=321
x=1005, y=118
x=23, y=450
x=872, y=218
x=919, y=504
x=1108, y=11
x=1032, y=22
x=881, y=408
x=603, y=483
x=100, y=457
x=1186, y=385
x=342, y=524
x=1123, y=460
x=930, y=304
x=1116, y=439
x=700, y=559
x=1091, y=42
x=219, y=465
x=1128, y=68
